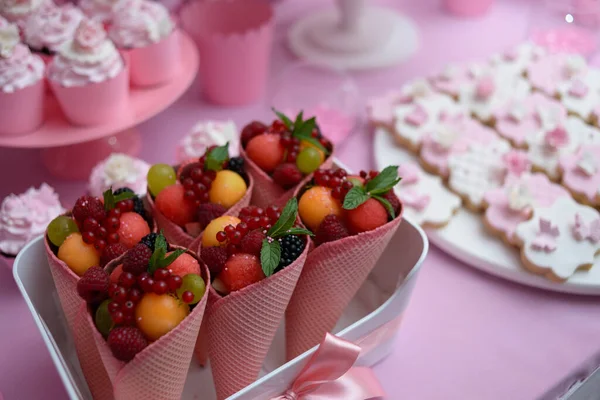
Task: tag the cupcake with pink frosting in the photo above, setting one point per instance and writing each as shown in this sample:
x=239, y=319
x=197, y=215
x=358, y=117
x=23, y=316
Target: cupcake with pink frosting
x=146, y=31
x=99, y=10
x=24, y=217
x=18, y=11
x=206, y=134
x=89, y=77
x=50, y=28
x=21, y=84
x=119, y=171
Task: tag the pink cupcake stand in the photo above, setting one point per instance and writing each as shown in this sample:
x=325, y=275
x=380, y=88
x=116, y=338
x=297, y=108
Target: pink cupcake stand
x=70, y=151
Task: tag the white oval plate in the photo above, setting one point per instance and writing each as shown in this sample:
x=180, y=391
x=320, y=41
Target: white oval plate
x=466, y=239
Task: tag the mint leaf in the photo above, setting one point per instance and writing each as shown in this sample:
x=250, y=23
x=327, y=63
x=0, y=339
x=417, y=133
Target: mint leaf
x=386, y=204
x=165, y=262
x=160, y=250
x=299, y=231
x=299, y=119
x=354, y=198
x=216, y=157
x=270, y=254
x=284, y=118
x=109, y=199
x=383, y=182
x=305, y=129
x=286, y=220
x=123, y=196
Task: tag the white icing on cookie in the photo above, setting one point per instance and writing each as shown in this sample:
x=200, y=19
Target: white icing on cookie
x=581, y=95
x=549, y=239
x=554, y=70
x=516, y=59
x=478, y=170
x=424, y=197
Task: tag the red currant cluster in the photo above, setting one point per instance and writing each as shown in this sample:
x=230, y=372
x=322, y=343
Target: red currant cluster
x=252, y=218
x=102, y=231
x=367, y=176
x=197, y=181
x=336, y=179
x=292, y=144
x=233, y=235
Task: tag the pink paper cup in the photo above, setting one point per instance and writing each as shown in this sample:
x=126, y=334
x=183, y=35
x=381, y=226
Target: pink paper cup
x=95, y=103
x=468, y=8
x=156, y=64
x=22, y=111
x=235, y=39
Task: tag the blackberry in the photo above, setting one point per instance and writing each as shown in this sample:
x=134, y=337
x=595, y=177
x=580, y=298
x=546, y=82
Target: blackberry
x=291, y=248
x=236, y=164
x=138, y=204
x=149, y=240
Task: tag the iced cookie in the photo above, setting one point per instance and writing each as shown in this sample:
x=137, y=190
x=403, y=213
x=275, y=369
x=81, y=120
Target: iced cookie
x=421, y=116
x=452, y=136
x=454, y=77
x=380, y=110
x=425, y=199
x=513, y=203
x=478, y=169
x=522, y=119
x=516, y=59
x=549, y=72
x=581, y=95
x=492, y=90
x=581, y=174
x=547, y=147
x=560, y=239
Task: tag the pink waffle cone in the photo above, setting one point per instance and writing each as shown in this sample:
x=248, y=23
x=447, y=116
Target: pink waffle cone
x=333, y=273
x=241, y=327
x=159, y=371
x=177, y=235
x=266, y=191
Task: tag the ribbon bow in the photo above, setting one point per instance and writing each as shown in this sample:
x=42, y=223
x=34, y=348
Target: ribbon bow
x=330, y=375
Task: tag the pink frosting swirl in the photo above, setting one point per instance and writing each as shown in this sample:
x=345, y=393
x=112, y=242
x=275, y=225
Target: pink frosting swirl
x=139, y=23
x=51, y=27
x=24, y=217
x=18, y=11
x=89, y=58
x=18, y=67
x=117, y=171
x=99, y=10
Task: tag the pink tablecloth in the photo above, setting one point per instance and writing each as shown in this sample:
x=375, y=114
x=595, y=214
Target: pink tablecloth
x=466, y=335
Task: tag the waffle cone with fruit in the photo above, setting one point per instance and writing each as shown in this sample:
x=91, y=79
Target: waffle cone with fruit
x=183, y=202
x=282, y=157
x=353, y=219
x=92, y=234
x=136, y=330
x=256, y=261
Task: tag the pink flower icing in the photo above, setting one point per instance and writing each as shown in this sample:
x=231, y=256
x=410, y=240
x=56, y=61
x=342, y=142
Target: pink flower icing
x=89, y=58
x=581, y=172
x=583, y=231
x=556, y=138
x=578, y=89
x=409, y=173
x=547, y=73
x=417, y=117
x=140, y=23
x=18, y=67
x=516, y=162
x=485, y=88
x=413, y=199
x=51, y=27
x=24, y=217
x=18, y=11
x=546, y=237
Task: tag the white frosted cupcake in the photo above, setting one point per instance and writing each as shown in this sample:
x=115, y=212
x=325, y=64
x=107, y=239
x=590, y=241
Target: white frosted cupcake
x=99, y=10
x=21, y=84
x=47, y=30
x=205, y=134
x=118, y=171
x=145, y=29
x=89, y=77
x=17, y=11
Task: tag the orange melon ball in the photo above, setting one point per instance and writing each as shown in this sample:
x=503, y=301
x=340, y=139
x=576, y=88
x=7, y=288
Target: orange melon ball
x=156, y=315
x=317, y=203
x=78, y=255
x=209, y=237
x=227, y=189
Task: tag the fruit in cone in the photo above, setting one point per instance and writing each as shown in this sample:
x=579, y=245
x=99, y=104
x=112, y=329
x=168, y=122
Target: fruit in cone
x=156, y=315
x=209, y=237
x=132, y=229
x=78, y=255
x=241, y=270
x=172, y=204
x=227, y=189
x=368, y=216
x=317, y=203
x=266, y=151
x=60, y=228
x=159, y=177
x=183, y=265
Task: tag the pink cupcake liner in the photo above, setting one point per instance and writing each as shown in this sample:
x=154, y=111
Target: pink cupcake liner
x=177, y=235
x=156, y=64
x=266, y=191
x=332, y=275
x=95, y=103
x=241, y=327
x=22, y=111
x=235, y=39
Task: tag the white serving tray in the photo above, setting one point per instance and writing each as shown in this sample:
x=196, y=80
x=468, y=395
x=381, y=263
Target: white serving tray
x=466, y=238
x=381, y=300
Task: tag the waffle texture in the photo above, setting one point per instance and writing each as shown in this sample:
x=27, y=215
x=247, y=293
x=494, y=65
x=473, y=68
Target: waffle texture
x=241, y=327
x=332, y=275
x=266, y=191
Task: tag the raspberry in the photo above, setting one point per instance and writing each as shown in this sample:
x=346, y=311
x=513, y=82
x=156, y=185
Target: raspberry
x=214, y=258
x=136, y=260
x=111, y=252
x=209, y=211
x=88, y=207
x=149, y=240
x=254, y=128
x=287, y=175
x=236, y=164
x=93, y=285
x=252, y=242
x=291, y=248
x=331, y=229
x=125, y=342
x=394, y=201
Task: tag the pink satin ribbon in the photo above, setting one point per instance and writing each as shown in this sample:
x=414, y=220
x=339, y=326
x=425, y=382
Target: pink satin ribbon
x=330, y=375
